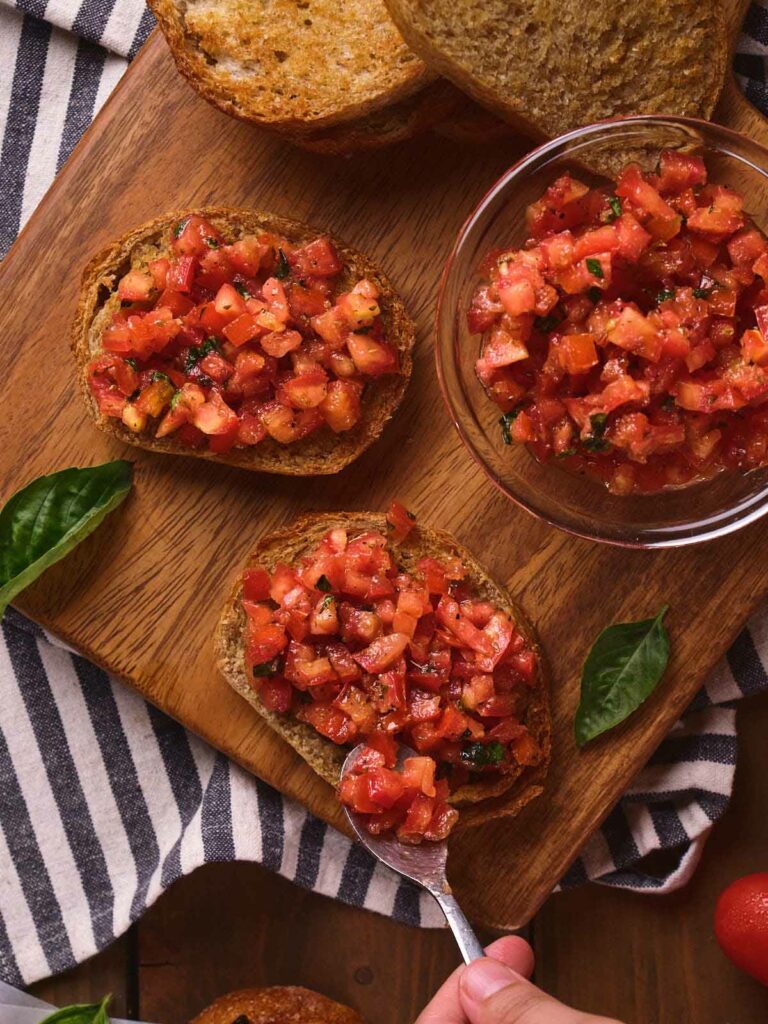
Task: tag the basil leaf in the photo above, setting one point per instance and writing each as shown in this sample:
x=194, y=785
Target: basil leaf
x=615, y=204
x=80, y=1013
x=43, y=521
x=480, y=755
x=505, y=422
x=595, y=267
x=623, y=668
x=283, y=268
x=324, y=583
x=267, y=668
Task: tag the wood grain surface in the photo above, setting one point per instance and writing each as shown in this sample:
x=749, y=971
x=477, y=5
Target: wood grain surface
x=142, y=595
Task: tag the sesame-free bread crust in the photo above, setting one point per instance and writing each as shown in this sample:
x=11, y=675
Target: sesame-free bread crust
x=549, y=66
x=279, y=1004
x=392, y=124
x=320, y=453
x=291, y=65
x=480, y=801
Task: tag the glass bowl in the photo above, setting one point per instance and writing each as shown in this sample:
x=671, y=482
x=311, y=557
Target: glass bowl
x=579, y=504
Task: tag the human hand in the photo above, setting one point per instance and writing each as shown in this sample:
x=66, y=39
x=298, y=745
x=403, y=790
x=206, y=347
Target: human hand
x=496, y=991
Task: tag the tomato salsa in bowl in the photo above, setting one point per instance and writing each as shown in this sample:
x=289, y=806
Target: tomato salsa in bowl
x=600, y=332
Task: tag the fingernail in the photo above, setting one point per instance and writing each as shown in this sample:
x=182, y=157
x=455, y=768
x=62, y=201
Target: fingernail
x=482, y=978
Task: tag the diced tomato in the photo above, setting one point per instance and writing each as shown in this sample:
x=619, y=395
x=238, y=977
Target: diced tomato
x=315, y=259
x=181, y=274
x=276, y=694
x=400, y=520
x=382, y=653
x=372, y=358
x=136, y=286
x=577, y=353
x=194, y=236
x=215, y=416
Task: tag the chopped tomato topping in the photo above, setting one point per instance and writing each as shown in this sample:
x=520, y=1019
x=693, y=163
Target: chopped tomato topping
x=354, y=645
x=628, y=337
x=259, y=328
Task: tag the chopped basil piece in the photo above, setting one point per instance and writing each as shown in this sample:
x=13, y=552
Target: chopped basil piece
x=595, y=442
x=702, y=293
x=267, y=668
x=180, y=227
x=505, y=422
x=566, y=453
x=480, y=755
x=665, y=294
x=211, y=243
x=595, y=267
x=243, y=290
x=327, y=602
x=198, y=352
x=283, y=268
x=175, y=399
x=615, y=204
x=132, y=363
x=158, y=375
x=594, y=293
x=548, y=323
x=324, y=584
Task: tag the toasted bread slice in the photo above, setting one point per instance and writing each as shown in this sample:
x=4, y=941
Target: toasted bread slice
x=320, y=453
x=481, y=800
x=549, y=66
x=280, y=1004
x=291, y=66
x=394, y=123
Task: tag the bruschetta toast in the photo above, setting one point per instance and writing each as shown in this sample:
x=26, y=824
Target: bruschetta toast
x=242, y=337
x=327, y=664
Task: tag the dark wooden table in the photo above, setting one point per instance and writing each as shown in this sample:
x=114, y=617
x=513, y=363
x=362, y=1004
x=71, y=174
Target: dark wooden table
x=642, y=959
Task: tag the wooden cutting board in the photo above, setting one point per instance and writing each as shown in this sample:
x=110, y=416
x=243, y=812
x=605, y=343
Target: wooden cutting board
x=142, y=595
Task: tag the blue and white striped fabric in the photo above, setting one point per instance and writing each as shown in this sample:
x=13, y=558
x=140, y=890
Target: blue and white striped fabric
x=104, y=801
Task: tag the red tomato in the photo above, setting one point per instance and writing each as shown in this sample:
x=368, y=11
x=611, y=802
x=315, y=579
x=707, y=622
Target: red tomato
x=741, y=924
x=195, y=236
x=400, y=520
x=614, y=329
x=315, y=259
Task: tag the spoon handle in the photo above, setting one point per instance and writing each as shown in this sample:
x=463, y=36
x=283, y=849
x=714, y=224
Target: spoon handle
x=468, y=942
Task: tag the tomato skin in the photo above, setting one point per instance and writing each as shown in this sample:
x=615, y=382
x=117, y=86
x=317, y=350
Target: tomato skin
x=400, y=520
x=741, y=924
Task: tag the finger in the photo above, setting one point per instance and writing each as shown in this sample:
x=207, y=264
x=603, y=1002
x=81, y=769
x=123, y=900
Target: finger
x=444, y=1007
x=493, y=993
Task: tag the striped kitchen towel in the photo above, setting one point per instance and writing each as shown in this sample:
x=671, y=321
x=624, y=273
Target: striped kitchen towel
x=104, y=801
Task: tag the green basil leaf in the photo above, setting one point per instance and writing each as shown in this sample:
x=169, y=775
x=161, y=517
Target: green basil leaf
x=324, y=583
x=481, y=755
x=623, y=668
x=267, y=668
x=80, y=1013
x=595, y=267
x=43, y=521
x=505, y=422
x=615, y=204
x=283, y=268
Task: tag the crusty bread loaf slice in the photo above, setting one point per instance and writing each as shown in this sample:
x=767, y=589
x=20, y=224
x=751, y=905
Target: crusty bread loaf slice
x=279, y=1004
x=288, y=65
x=320, y=453
x=549, y=66
x=480, y=800
x=395, y=123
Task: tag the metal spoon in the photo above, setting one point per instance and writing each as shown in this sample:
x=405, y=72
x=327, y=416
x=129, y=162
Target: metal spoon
x=424, y=864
